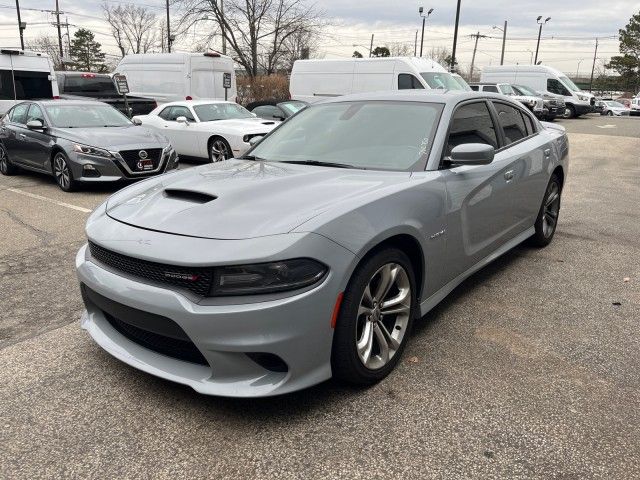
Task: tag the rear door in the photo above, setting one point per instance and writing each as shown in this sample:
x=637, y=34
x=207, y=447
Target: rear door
x=14, y=133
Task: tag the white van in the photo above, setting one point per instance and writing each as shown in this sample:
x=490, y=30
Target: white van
x=543, y=79
x=313, y=80
x=172, y=77
x=25, y=76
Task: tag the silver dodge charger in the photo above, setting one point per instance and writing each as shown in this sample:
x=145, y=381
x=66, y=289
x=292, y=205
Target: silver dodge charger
x=311, y=256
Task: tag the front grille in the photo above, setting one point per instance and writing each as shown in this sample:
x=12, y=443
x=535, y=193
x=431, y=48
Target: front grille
x=195, y=279
x=183, y=350
x=132, y=157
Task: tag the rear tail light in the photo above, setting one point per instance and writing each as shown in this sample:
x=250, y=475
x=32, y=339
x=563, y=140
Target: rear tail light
x=88, y=75
x=212, y=54
x=56, y=97
x=188, y=97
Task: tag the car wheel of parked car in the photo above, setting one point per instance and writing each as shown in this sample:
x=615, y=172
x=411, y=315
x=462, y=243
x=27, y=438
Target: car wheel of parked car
x=219, y=149
x=548, y=215
x=375, y=318
x=6, y=167
x=62, y=172
x=610, y=113
x=569, y=112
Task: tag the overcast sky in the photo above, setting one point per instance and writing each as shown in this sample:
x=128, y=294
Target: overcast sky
x=568, y=38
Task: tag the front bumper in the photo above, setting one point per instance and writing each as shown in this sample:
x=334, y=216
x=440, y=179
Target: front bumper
x=295, y=328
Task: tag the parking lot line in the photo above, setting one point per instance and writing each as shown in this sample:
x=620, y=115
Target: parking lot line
x=49, y=200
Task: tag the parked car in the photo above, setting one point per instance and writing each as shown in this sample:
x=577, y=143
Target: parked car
x=206, y=130
x=276, y=110
x=100, y=86
x=635, y=106
x=553, y=105
x=25, y=75
x=315, y=80
x=461, y=81
x=532, y=102
x=613, y=108
x=312, y=255
x=80, y=141
x=599, y=107
x=171, y=77
x=542, y=78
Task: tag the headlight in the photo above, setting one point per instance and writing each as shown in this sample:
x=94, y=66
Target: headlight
x=266, y=277
x=584, y=98
x=93, y=151
x=531, y=102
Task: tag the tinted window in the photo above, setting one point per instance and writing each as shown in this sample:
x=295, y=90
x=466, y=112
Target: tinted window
x=172, y=113
x=407, y=81
x=382, y=135
x=211, y=112
x=89, y=84
x=32, y=85
x=531, y=127
x=475, y=88
x=512, y=123
x=490, y=88
x=6, y=85
x=165, y=113
x=555, y=86
x=19, y=113
x=35, y=113
x=268, y=111
x=472, y=123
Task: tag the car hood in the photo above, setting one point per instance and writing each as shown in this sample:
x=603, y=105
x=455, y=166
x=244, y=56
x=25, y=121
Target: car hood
x=239, y=199
x=244, y=125
x=114, y=138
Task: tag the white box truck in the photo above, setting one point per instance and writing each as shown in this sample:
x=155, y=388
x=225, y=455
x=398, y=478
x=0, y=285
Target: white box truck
x=314, y=80
x=25, y=76
x=543, y=79
x=171, y=77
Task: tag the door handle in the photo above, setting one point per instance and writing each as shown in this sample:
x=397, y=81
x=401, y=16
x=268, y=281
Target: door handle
x=547, y=152
x=508, y=175
x=22, y=135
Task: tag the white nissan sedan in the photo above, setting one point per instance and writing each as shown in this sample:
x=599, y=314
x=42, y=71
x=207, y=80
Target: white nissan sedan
x=216, y=130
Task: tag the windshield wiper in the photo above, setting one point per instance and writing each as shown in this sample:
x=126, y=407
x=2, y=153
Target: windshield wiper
x=322, y=164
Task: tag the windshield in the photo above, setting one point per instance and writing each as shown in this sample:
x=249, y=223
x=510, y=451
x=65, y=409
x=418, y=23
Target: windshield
x=383, y=135
x=442, y=80
x=86, y=115
x=211, y=112
x=292, y=107
x=522, y=90
x=465, y=86
x=506, y=89
x=569, y=84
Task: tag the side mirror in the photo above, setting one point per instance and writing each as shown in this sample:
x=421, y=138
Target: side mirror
x=136, y=121
x=472, y=154
x=182, y=119
x=255, y=140
x=35, y=125
x=253, y=114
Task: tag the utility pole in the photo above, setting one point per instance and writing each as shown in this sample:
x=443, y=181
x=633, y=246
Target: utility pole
x=455, y=38
x=371, y=47
x=66, y=22
x=593, y=67
x=168, y=29
x=57, y=13
x=475, y=47
x=20, y=25
x=415, y=45
x=504, y=41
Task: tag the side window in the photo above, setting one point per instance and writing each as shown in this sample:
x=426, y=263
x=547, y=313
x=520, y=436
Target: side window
x=490, y=88
x=32, y=85
x=512, y=123
x=6, y=85
x=555, y=86
x=35, y=113
x=268, y=111
x=472, y=123
x=165, y=113
x=406, y=81
x=181, y=112
x=475, y=88
x=531, y=126
x=19, y=113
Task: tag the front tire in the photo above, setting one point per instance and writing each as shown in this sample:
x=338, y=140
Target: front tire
x=375, y=319
x=219, y=150
x=6, y=167
x=547, y=219
x=62, y=173
x=569, y=112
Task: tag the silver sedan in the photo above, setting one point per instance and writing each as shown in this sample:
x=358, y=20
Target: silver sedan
x=311, y=256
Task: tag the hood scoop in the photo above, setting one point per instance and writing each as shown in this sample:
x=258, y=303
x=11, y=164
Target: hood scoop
x=189, y=195
x=268, y=123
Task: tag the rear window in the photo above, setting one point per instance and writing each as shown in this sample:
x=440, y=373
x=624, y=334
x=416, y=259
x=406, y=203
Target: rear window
x=32, y=85
x=89, y=85
x=6, y=85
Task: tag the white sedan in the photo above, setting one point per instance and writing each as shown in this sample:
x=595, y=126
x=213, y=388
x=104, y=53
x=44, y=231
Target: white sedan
x=216, y=130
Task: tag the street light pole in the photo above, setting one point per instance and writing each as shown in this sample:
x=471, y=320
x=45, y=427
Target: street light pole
x=20, y=25
x=455, y=38
x=415, y=45
x=539, y=35
x=578, y=69
x=424, y=19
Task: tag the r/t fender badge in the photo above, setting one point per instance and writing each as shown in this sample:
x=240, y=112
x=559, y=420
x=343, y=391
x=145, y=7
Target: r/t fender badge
x=436, y=235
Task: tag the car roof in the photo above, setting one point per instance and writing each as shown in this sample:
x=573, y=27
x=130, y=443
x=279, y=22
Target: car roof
x=426, y=96
x=195, y=102
x=55, y=101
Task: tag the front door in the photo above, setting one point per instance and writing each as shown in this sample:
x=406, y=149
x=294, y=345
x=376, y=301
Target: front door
x=182, y=136
x=36, y=142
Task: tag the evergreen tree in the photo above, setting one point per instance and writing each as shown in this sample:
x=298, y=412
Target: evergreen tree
x=628, y=64
x=86, y=53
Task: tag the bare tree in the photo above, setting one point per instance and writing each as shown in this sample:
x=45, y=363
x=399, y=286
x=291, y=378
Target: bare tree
x=133, y=27
x=47, y=45
x=258, y=31
x=299, y=46
x=400, y=49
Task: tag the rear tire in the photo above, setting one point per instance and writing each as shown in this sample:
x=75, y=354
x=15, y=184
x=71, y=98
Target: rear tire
x=376, y=317
x=6, y=167
x=62, y=173
x=547, y=219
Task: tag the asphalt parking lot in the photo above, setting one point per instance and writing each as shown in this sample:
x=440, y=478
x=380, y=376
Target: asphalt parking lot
x=530, y=369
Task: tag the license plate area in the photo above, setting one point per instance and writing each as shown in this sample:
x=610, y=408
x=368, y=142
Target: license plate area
x=144, y=165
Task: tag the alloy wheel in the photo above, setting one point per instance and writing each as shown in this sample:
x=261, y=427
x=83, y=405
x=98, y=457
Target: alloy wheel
x=219, y=150
x=551, y=210
x=61, y=172
x=383, y=316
